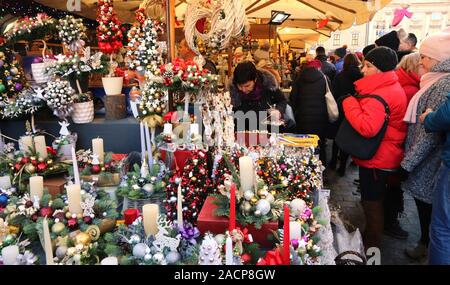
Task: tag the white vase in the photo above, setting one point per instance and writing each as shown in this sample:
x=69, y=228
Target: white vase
x=83, y=113
x=112, y=85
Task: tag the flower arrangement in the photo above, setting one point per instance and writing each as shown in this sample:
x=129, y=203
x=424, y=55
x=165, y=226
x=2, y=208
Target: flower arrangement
x=171, y=245
x=72, y=32
x=75, y=64
x=181, y=75
x=31, y=28
x=88, y=165
x=59, y=96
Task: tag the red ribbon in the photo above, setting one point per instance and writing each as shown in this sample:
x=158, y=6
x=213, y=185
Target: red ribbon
x=273, y=257
x=130, y=216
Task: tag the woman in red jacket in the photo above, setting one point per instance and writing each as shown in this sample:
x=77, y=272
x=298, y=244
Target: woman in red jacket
x=409, y=75
x=367, y=116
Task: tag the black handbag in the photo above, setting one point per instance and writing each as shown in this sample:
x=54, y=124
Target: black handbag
x=353, y=143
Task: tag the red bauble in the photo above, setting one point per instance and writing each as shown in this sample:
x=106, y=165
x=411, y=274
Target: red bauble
x=41, y=167
x=17, y=166
x=46, y=212
x=87, y=219
x=96, y=169
x=72, y=224
x=25, y=160
x=34, y=162
x=246, y=258
x=28, y=204
x=51, y=150
x=34, y=217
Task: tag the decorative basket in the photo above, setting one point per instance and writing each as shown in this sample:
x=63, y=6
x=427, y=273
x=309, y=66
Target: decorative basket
x=340, y=260
x=112, y=85
x=83, y=113
x=38, y=69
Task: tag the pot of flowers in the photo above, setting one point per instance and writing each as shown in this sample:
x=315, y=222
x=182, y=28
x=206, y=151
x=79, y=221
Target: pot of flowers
x=83, y=109
x=113, y=83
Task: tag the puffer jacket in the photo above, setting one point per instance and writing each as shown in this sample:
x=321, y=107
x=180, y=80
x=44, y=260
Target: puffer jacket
x=409, y=81
x=367, y=116
x=423, y=150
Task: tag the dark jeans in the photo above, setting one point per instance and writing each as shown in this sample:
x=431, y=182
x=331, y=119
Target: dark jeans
x=393, y=203
x=424, y=210
x=336, y=154
x=373, y=183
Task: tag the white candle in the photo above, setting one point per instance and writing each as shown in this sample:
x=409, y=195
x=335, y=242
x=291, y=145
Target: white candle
x=246, y=173
x=10, y=254
x=150, y=216
x=97, y=148
x=167, y=129
x=47, y=243
x=76, y=173
x=74, y=198
x=40, y=146
x=194, y=129
x=295, y=230
x=142, y=141
x=179, y=206
x=26, y=142
x=149, y=148
x=5, y=182
x=112, y=260
x=229, y=251
x=36, y=187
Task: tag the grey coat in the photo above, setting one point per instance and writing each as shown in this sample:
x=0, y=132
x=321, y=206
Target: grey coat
x=422, y=150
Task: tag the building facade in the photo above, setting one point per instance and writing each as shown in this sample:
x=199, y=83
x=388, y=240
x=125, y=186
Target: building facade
x=429, y=16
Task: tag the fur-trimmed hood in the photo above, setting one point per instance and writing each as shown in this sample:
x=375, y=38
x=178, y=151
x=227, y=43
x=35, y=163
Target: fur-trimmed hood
x=268, y=81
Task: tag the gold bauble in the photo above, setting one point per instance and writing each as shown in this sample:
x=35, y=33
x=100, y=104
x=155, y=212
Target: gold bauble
x=58, y=227
x=194, y=179
x=30, y=168
x=156, y=95
x=151, y=109
x=50, y=162
x=79, y=216
x=82, y=238
x=68, y=215
x=263, y=193
x=158, y=110
x=254, y=200
x=41, y=159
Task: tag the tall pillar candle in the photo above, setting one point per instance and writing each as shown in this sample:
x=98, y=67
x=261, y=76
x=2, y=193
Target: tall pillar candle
x=76, y=173
x=9, y=254
x=40, y=146
x=36, y=187
x=5, y=182
x=246, y=173
x=286, y=237
x=97, y=148
x=194, y=129
x=26, y=142
x=232, y=224
x=141, y=127
x=150, y=216
x=179, y=206
x=167, y=129
x=149, y=148
x=48, y=249
x=74, y=198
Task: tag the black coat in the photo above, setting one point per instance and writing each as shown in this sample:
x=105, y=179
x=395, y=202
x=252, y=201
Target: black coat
x=327, y=68
x=308, y=101
x=343, y=85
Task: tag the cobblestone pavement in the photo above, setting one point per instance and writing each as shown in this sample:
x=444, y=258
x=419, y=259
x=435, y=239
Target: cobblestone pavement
x=344, y=195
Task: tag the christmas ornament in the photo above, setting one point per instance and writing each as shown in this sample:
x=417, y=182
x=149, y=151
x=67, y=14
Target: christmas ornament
x=58, y=228
x=46, y=212
x=173, y=257
x=158, y=257
x=72, y=32
x=140, y=249
x=263, y=206
x=248, y=195
x=83, y=238
x=209, y=251
x=59, y=96
x=61, y=251
x=109, y=31
x=297, y=207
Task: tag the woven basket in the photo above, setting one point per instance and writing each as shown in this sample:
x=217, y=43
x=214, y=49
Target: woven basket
x=38, y=69
x=340, y=260
x=83, y=113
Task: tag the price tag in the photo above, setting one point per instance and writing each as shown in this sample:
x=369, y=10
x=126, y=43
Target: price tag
x=324, y=193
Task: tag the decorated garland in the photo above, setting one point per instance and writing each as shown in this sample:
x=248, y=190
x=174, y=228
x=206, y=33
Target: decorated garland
x=66, y=65
x=72, y=32
x=26, y=103
x=109, y=32
x=31, y=28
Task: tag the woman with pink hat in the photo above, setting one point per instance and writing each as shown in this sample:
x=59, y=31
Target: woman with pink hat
x=422, y=150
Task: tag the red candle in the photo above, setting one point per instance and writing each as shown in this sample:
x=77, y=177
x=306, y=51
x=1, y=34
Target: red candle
x=130, y=215
x=232, y=225
x=286, y=237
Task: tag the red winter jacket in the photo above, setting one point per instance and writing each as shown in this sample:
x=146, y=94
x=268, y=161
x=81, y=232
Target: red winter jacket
x=409, y=81
x=367, y=116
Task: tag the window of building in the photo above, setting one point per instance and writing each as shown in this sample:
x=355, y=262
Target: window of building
x=355, y=39
x=436, y=16
x=336, y=39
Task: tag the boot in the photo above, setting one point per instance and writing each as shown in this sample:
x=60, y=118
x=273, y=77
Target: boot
x=373, y=211
x=418, y=252
x=393, y=229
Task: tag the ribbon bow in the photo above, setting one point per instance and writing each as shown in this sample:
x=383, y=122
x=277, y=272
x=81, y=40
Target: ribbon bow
x=399, y=14
x=273, y=257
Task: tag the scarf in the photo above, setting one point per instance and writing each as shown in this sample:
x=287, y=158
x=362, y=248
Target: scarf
x=255, y=95
x=426, y=82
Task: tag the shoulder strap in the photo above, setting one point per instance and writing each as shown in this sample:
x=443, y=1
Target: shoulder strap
x=380, y=99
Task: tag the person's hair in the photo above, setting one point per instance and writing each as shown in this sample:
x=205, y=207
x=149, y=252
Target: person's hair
x=410, y=62
x=265, y=46
x=244, y=72
x=320, y=50
x=351, y=60
x=411, y=39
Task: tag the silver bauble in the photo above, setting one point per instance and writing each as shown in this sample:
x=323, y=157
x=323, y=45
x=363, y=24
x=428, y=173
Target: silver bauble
x=61, y=251
x=140, y=250
x=158, y=257
x=270, y=198
x=248, y=195
x=263, y=206
x=297, y=207
x=148, y=188
x=173, y=257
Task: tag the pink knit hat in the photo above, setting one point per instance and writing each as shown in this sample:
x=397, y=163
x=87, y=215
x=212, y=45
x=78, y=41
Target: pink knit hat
x=437, y=45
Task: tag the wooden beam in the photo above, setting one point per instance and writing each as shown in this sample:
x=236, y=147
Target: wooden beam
x=338, y=6
x=252, y=5
x=268, y=3
x=317, y=31
x=319, y=10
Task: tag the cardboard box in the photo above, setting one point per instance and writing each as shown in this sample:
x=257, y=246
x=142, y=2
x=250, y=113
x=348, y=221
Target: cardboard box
x=55, y=185
x=209, y=222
